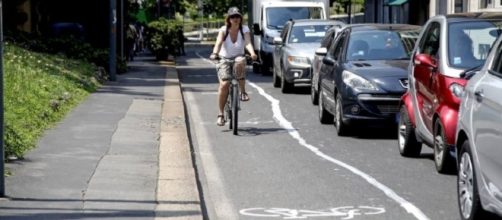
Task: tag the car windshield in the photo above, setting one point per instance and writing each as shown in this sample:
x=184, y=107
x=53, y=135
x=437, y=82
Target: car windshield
x=277, y=17
x=381, y=45
x=470, y=42
x=308, y=33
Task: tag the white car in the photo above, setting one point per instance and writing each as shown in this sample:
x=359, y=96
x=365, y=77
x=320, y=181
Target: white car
x=479, y=140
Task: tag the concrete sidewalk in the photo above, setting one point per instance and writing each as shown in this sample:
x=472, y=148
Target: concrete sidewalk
x=122, y=153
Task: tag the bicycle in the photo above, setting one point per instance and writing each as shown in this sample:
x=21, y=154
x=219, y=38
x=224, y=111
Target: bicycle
x=232, y=106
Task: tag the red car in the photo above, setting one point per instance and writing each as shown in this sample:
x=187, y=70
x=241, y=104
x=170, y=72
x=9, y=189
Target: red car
x=447, y=47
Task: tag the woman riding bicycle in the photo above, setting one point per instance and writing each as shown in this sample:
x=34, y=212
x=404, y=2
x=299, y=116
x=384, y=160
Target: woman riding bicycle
x=230, y=43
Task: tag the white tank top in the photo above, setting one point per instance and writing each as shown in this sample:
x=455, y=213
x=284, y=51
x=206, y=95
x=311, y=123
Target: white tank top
x=230, y=49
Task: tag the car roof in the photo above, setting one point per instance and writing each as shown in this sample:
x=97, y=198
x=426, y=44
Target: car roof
x=459, y=17
x=316, y=21
x=367, y=27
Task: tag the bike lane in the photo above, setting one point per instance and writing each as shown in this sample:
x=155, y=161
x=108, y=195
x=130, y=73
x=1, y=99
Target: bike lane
x=269, y=171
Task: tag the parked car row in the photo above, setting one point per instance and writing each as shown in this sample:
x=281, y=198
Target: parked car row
x=440, y=84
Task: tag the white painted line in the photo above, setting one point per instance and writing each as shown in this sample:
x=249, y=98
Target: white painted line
x=283, y=122
x=276, y=109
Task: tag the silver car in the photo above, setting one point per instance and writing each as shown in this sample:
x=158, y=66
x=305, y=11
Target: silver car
x=479, y=139
x=294, y=52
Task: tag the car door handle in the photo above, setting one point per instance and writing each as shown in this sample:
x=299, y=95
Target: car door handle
x=479, y=95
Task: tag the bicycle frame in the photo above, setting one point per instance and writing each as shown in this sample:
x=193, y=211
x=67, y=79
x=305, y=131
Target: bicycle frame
x=232, y=107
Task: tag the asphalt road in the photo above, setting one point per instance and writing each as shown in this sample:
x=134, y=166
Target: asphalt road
x=284, y=164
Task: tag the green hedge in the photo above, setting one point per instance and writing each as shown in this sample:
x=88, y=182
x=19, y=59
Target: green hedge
x=162, y=37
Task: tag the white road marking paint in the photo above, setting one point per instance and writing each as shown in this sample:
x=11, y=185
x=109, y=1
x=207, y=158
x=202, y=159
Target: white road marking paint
x=216, y=195
x=283, y=122
x=345, y=212
x=276, y=109
x=241, y=122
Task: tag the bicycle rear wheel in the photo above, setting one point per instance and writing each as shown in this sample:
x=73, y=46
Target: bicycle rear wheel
x=235, y=108
x=228, y=108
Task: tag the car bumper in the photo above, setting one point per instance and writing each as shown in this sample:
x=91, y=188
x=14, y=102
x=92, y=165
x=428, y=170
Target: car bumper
x=371, y=107
x=298, y=74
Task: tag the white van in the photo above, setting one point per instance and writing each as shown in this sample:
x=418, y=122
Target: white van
x=267, y=18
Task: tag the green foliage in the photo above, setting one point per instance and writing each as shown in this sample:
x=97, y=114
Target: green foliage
x=69, y=46
x=39, y=90
x=162, y=37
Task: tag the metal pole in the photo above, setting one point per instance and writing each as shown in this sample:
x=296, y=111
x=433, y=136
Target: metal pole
x=113, y=41
x=121, y=28
x=2, y=152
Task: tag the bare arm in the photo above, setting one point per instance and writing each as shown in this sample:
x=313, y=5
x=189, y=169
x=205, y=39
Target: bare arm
x=249, y=45
x=219, y=42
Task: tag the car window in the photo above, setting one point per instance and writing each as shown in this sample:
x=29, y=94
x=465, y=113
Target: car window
x=308, y=33
x=470, y=42
x=496, y=68
x=284, y=33
x=326, y=41
x=337, y=48
x=278, y=16
x=381, y=44
x=431, y=43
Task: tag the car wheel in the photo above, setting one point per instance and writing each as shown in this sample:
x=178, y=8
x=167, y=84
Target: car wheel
x=467, y=186
x=275, y=79
x=341, y=127
x=314, y=95
x=442, y=159
x=285, y=86
x=324, y=116
x=408, y=144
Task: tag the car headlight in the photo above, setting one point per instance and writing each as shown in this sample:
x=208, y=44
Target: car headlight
x=457, y=90
x=298, y=60
x=357, y=82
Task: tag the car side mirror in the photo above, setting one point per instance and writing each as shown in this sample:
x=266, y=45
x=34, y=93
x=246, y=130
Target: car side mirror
x=322, y=51
x=328, y=61
x=277, y=41
x=426, y=60
x=256, y=29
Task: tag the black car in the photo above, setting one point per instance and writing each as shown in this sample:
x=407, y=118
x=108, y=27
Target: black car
x=364, y=74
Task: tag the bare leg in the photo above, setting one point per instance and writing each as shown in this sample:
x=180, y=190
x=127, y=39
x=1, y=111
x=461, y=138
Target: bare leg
x=240, y=71
x=222, y=95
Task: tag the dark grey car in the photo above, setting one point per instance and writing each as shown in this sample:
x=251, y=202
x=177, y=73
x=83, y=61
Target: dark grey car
x=365, y=75
x=294, y=51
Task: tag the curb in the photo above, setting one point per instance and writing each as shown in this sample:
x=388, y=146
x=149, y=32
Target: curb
x=177, y=189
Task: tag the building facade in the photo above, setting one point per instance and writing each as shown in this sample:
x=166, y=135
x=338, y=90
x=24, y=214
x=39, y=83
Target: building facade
x=419, y=11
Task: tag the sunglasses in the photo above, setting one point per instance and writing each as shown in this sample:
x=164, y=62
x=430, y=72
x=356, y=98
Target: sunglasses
x=234, y=16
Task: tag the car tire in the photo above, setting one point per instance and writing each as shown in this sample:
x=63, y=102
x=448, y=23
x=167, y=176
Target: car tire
x=341, y=127
x=469, y=203
x=286, y=87
x=444, y=162
x=276, y=81
x=408, y=144
x=314, y=95
x=324, y=116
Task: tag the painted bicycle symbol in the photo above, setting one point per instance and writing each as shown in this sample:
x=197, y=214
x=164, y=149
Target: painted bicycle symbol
x=345, y=212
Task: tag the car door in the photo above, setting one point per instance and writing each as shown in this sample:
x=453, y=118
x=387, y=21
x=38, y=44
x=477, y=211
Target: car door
x=424, y=74
x=329, y=79
x=487, y=123
x=279, y=49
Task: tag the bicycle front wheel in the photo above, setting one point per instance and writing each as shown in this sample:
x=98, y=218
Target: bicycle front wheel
x=235, y=108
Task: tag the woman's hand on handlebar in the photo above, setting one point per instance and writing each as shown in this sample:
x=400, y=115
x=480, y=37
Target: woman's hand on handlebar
x=214, y=56
x=254, y=57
